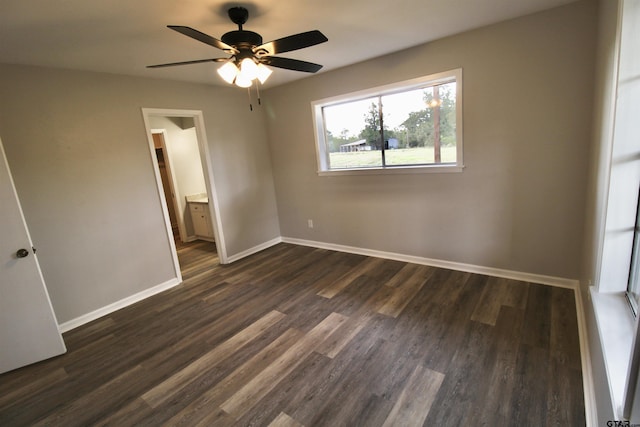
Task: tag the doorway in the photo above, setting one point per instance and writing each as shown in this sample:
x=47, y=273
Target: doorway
x=184, y=175
x=167, y=182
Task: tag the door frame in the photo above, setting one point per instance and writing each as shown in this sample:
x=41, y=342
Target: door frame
x=207, y=169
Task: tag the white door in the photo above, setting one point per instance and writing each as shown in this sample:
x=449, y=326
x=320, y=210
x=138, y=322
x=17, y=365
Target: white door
x=28, y=327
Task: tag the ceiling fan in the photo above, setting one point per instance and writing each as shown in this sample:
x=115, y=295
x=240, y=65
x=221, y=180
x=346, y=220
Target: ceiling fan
x=249, y=55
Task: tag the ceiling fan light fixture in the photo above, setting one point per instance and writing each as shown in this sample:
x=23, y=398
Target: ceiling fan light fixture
x=242, y=81
x=248, y=69
x=228, y=72
x=263, y=73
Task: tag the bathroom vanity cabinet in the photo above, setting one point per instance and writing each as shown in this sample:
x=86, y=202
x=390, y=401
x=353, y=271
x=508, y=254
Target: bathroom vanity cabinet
x=201, y=219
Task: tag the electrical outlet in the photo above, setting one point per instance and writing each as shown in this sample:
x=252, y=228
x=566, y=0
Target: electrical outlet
x=310, y=223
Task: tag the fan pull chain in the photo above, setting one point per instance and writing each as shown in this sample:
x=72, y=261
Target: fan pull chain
x=258, y=94
x=249, y=93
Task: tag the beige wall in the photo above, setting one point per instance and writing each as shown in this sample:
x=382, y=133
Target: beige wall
x=518, y=205
x=78, y=150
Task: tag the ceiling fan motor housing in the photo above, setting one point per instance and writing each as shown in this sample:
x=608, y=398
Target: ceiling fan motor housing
x=242, y=39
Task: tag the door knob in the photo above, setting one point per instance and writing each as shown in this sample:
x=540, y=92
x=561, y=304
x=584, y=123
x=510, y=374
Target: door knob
x=22, y=253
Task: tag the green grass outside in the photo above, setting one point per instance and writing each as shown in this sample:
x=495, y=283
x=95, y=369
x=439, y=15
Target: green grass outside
x=400, y=156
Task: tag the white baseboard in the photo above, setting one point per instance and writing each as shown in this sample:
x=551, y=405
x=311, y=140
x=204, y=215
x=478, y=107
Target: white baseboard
x=86, y=318
x=469, y=268
x=254, y=250
x=489, y=271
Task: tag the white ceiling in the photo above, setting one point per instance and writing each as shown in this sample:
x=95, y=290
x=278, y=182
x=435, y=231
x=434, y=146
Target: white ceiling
x=123, y=36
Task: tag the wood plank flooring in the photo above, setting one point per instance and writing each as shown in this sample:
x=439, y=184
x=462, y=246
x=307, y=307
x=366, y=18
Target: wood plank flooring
x=297, y=336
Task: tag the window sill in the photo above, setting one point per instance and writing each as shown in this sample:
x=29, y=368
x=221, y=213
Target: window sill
x=616, y=328
x=393, y=170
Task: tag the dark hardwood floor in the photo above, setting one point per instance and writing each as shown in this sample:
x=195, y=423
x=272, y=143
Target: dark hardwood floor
x=300, y=336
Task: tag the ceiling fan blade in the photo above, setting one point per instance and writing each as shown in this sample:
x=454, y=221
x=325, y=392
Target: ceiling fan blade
x=197, y=61
x=202, y=37
x=294, y=42
x=290, y=64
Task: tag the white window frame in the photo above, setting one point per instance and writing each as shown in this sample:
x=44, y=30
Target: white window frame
x=322, y=153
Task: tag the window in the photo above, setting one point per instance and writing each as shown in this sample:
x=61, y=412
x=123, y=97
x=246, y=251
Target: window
x=416, y=124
